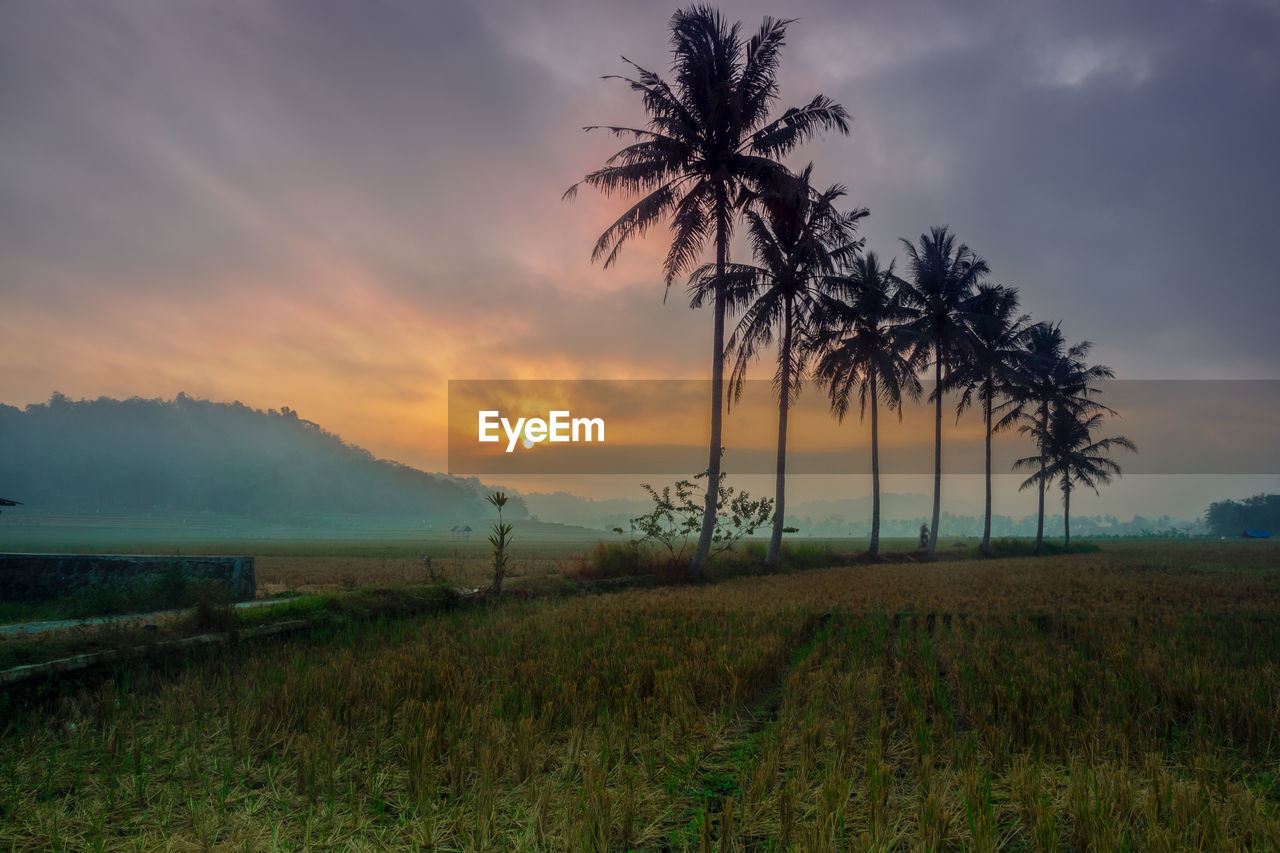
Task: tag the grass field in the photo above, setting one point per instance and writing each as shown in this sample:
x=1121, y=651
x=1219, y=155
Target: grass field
x=1122, y=699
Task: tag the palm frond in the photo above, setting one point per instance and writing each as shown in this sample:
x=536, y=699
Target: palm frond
x=799, y=124
x=639, y=218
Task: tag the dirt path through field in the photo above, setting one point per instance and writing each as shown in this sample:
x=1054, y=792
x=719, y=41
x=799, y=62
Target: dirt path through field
x=15, y=628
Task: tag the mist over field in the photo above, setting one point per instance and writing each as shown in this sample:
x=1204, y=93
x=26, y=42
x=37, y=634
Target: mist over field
x=195, y=462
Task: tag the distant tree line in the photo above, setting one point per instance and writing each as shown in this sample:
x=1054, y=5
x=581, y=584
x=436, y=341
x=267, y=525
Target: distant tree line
x=1231, y=518
x=1001, y=525
x=837, y=525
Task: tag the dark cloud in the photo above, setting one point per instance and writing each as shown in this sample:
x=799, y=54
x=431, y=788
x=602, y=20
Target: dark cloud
x=1112, y=160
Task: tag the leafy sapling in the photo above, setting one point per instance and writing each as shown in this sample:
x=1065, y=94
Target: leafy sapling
x=675, y=518
x=500, y=538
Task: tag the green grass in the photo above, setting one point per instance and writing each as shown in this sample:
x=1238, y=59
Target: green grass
x=215, y=613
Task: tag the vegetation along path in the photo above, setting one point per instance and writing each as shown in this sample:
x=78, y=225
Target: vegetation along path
x=18, y=628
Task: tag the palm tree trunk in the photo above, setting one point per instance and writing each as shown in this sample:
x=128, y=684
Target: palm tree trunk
x=784, y=403
x=1066, y=514
x=937, y=455
x=986, y=524
x=697, y=567
x=874, y=551
x=1044, y=461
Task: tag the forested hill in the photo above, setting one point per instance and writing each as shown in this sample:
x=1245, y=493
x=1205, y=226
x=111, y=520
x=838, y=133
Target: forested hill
x=126, y=457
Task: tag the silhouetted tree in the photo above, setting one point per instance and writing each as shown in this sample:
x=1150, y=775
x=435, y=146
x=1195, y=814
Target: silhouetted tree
x=708, y=137
x=943, y=277
x=798, y=238
x=1073, y=456
x=861, y=344
x=993, y=344
x=1231, y=518
x=1050, y=374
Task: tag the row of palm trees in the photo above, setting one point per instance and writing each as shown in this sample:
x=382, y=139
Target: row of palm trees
x=709, y=160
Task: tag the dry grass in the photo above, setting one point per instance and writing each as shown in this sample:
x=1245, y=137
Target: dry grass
x=321, y=574
x=1128, y=699
x=1126, y=578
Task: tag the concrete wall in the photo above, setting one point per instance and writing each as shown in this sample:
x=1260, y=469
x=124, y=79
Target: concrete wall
x=41, y=577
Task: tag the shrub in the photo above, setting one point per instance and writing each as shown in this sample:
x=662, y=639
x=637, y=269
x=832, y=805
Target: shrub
x=630, y=559
x=676, y=520
x=794, y=557
x=1013, y=547
x=214, y=610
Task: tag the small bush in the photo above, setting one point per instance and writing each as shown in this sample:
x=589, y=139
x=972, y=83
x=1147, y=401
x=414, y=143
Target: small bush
x=798, y=556
x=617, y=560
x=794, y=557
x=1013, y=547
x=630, y=559
x=213, y=610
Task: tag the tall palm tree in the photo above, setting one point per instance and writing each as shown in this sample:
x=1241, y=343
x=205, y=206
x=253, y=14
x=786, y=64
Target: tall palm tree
x=943, y=276
x=1074, y=456
x=709, y=135
x=994, y=339
x=798, y=238
x=1050, y=374
x=861, y=344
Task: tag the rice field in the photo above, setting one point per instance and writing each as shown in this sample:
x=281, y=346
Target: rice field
x=1124, y=699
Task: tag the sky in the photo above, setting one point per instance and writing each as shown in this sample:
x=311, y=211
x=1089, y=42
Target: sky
x=340, y=206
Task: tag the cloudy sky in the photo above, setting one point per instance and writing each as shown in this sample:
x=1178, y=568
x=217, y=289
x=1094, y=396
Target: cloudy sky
x=339, y=206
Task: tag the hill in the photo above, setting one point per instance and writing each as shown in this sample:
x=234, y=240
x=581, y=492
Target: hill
x=140, y=457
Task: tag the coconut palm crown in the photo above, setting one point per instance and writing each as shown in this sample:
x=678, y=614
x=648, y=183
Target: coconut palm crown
x=1050, y=375
x=862, y=345
x=1070, y=455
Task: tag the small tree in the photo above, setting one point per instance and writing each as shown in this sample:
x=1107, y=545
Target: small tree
x=676, y=518
x=500, y=538
x=1074, y=457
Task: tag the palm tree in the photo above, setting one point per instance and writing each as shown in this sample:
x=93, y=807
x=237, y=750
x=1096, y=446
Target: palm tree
x=1050, y=374
x=943, y=276
x=862, y=346
x=708, y=137
x=1073, y=456
x=799, y=238
x=994, y=339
